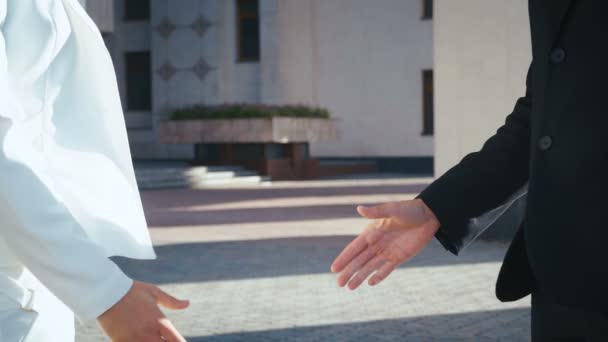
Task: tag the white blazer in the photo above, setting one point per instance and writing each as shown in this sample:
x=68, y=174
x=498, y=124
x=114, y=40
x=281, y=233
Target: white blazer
x=68, y=196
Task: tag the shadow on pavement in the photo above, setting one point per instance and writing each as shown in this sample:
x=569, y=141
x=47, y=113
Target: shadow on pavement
x=168, y=208
x=171, y=198
x=510, y=325
x=177, y=218
x=233, y=260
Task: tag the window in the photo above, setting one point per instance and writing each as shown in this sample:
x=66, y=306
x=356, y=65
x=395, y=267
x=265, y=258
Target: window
x=137, y=9
x=139, y=85
x=427, y=9
x=248, y=30
x=428, y=111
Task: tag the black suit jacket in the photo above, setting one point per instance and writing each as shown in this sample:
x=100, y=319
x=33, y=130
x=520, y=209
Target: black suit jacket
x=556, y=141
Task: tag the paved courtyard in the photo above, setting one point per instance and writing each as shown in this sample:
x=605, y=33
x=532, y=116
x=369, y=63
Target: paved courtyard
x=254, y=261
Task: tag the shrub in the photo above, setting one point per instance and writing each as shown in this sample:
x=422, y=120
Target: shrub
x=247, y=111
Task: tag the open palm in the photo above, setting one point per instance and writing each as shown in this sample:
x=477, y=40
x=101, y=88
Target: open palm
x=400, y=230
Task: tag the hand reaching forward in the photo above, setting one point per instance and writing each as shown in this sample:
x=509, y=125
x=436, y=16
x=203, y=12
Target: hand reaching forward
x=137, y=317
x=400, y=230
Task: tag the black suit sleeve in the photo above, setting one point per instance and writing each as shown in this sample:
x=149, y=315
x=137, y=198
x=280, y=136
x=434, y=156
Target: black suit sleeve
x=483, y=180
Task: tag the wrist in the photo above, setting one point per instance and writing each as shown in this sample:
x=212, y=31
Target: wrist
x=430, y=218
x=118, y=287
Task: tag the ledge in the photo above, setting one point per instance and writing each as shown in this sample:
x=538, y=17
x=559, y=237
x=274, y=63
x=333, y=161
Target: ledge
x=262, y=130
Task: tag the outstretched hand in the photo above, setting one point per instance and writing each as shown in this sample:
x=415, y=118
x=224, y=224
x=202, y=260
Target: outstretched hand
x=400, y=230
x=138, y=318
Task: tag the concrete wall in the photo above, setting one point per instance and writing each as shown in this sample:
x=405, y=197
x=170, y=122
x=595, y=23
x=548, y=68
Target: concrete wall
x=482, y=52
x=297, y=47
x=237, y=82
x=363, y=60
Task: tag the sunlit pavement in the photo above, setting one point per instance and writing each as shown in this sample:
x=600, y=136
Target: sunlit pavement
x=255, y=260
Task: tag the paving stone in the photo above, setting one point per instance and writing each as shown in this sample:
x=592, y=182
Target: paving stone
x=254, y=261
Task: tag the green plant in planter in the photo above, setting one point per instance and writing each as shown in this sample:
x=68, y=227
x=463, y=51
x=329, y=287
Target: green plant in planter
x=248, y=111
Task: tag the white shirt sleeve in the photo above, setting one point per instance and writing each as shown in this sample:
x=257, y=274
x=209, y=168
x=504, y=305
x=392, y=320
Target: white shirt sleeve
x=38, y=227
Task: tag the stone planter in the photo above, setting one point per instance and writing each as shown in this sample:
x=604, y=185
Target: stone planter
x=271, y=130
x=277, y=147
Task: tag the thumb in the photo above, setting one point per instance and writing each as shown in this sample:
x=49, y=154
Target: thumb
x=376, y=212
x=170, y=302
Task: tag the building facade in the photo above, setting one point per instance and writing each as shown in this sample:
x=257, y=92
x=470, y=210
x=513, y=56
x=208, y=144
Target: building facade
x=369, y=62
x=482, y=53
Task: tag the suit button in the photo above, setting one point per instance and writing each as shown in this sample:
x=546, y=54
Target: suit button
x=544, y=143
x=558, y=55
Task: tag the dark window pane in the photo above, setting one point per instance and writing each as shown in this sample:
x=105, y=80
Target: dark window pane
x=248, y=6
x=427, y=9
x=248, y=30
x=137, y=9
x=139, y=85
x=427, y=103
x=250, y=39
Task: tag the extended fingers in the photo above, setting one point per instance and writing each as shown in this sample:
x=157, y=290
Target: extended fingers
x=349, y=253
x=169, y=332
x=168, y=301
x=383, y=272
x=385, y=210
x=364, y=272
x=354, y=266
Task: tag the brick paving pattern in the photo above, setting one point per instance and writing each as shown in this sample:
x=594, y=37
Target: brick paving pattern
x=255, y=260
